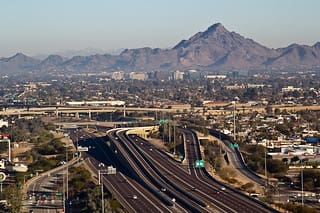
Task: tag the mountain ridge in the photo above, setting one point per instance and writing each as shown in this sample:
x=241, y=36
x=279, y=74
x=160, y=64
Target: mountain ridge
x=214, y=49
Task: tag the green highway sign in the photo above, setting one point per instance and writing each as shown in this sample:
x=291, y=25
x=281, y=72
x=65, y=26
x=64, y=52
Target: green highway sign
x=199, y=163
x=233, y=145
x=163, y=121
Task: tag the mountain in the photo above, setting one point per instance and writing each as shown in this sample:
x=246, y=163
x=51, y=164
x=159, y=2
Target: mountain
x=219, y=48
x=297, y=55
x=214, y=49
x=18, y=62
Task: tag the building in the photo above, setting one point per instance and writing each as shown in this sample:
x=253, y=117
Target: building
x=216, y=76
x=291, y=89
x=3, y=123
x=138, y=76
x=119, y=75
x=95, y=103
x=178, y=75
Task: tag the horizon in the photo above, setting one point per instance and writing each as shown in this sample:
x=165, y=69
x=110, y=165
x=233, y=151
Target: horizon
x=53, y=27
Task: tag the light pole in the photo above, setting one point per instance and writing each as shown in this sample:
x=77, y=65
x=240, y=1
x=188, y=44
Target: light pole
x=110, y=171
x=265, y=171
x=101, y=184
x=234, y=120
x=67, y=184
x=174, y=138
x=67, y=178
x=302, y=201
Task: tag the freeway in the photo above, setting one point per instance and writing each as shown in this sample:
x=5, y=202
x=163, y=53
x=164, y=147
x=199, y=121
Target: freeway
x=196, y=182
x=235, y=156
x=133, y=196
x=163, y=183
x=55, y=109
x=239, y=201
x=147, y=177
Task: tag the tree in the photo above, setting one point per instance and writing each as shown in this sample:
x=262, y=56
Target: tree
x=79, y=178
x=295, y=159
x=14, y=198
x=248, y=187
x=276, y=166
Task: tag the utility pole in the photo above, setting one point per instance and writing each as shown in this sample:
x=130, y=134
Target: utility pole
x=110, y=171
x=265, y=171
x=234, y=120
x=174, y=138
x=302, y=198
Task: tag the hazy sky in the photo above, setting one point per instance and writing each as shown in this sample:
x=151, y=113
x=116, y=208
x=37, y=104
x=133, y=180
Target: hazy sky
x=44, y=26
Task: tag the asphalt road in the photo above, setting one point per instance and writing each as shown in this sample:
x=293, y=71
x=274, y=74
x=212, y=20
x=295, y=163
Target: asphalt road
x=146, y=178
x=126, y=188
x=195, y=181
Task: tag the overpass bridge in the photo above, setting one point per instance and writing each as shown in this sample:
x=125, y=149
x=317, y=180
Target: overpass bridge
x=60, y=111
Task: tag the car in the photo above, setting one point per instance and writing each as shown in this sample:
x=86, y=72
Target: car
x=163, y=189
x=223, y=188
x=134, y=197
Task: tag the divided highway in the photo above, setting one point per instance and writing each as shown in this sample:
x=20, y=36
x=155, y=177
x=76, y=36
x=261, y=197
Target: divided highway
x=150, y=179
x=193, y=189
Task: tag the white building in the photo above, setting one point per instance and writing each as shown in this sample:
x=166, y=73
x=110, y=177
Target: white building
x=119, y=75
x=3, y=123
x=178, y=75
x=138, y=76
x=216, y=76
x=290, y=89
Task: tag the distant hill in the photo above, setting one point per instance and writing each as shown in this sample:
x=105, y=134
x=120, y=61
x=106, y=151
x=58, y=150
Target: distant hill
x=214, y=49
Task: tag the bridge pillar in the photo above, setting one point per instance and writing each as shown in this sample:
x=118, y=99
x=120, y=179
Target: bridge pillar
x=77, y=115
x=89, y=114
x=57, y=112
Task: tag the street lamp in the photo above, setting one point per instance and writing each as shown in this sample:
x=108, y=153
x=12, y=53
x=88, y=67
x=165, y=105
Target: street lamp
x=302, y=198
x=234, y=120
x=110, y=171
x=101, y=165
x=67, y=178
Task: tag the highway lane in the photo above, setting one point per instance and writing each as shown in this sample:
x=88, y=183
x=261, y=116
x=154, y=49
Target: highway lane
x=122, y=185
x=235, y=156
x=173, y=170
x=149, y=176
x=216, y=192
x=41, y=193
x=240, y=201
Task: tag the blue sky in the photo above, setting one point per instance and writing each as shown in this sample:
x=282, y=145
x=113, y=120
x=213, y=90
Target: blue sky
x=43, y=26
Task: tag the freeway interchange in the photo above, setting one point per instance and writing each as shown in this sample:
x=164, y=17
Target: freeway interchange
x=154, y=180
x=150, y=179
